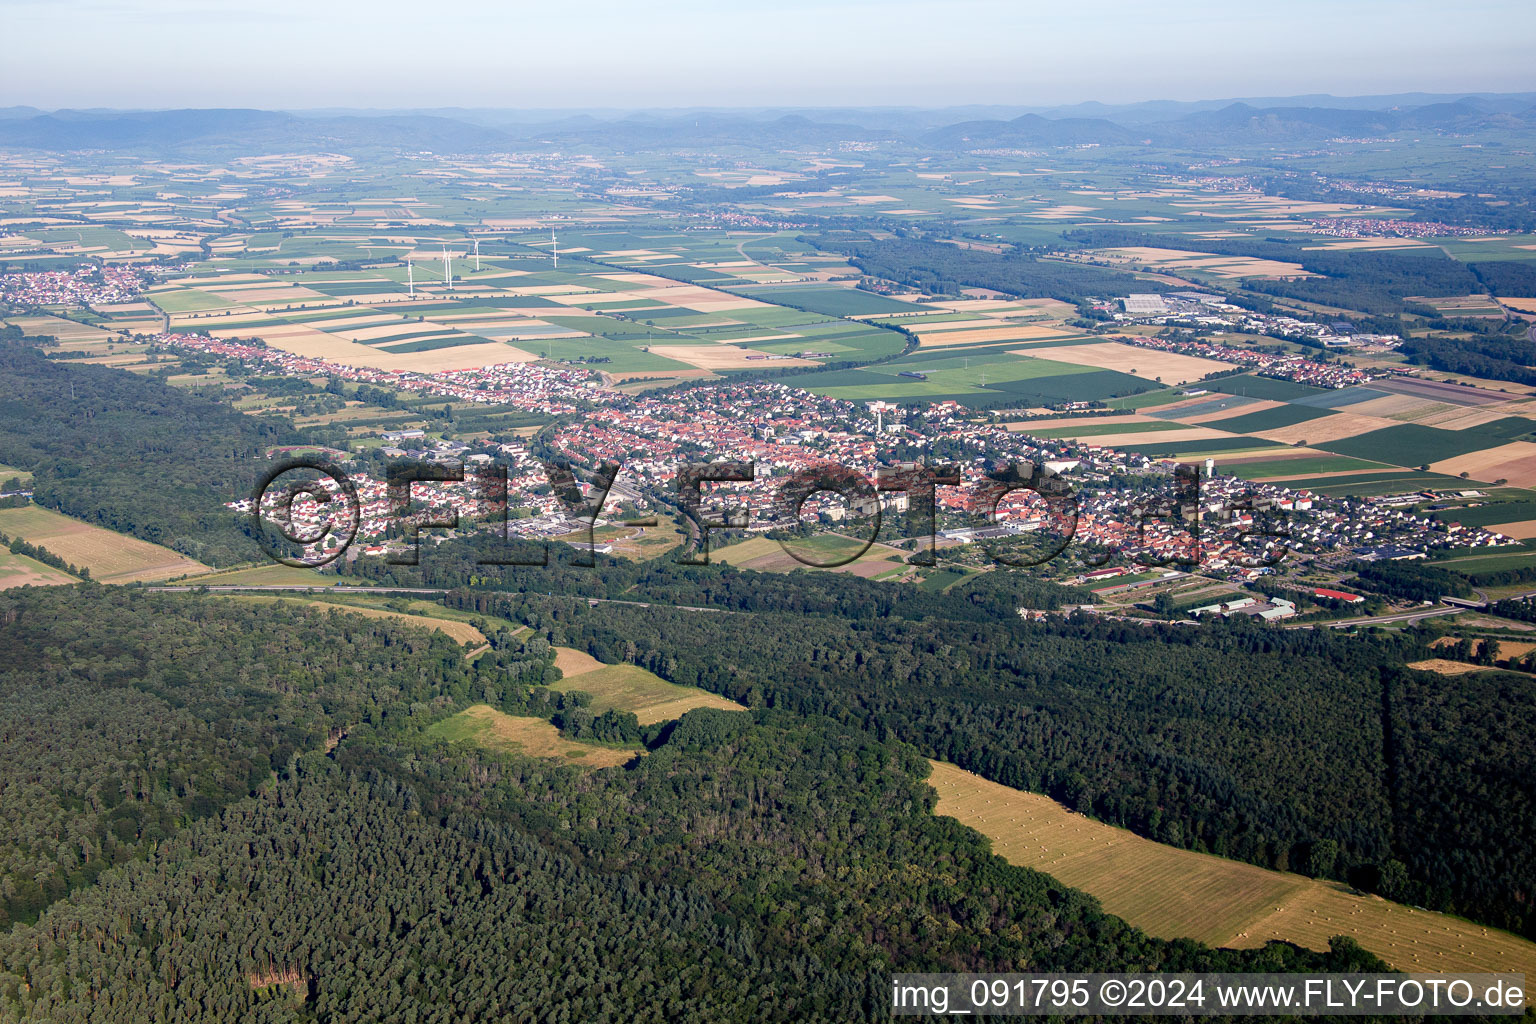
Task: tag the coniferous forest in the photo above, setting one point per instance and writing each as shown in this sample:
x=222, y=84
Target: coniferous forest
x=252, y=823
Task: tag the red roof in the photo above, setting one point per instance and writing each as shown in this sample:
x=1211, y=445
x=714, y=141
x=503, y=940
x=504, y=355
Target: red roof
x=1337, y=595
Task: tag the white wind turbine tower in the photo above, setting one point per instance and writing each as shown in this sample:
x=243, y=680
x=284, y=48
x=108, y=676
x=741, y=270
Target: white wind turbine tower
x=554, y=248
x=477, y=255
x=447, y=269
x=410, y=279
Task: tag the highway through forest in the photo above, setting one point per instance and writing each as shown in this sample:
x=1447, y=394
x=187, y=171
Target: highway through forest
x=397, y=592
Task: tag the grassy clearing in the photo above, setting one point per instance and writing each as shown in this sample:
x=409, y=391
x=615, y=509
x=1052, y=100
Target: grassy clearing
x=631, y=688
x=8, y=473
x=494, y=730
x=1172, y=893
x=111, y=557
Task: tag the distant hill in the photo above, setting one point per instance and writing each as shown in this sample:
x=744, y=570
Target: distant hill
x=956, y=129
x=247, y=130
x=1031, y=130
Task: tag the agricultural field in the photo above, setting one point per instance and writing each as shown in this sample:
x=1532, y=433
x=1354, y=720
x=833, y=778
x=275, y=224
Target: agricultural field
x=21, y=571
x=631, y=688
x=483, y=726
x=110, y=557
x=763, y=554
x=269, y=575
x=637, y=542
x=1172, y=893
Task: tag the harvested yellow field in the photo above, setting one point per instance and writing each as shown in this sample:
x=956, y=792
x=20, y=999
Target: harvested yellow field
x=1410, y=408
x=1514, y=462
x=486, y=727
x=1511, y=649
x=306, y=341
x=1147, y=363
x=631, y=688
x=1372, y=243
x=1172, y=893
x=1018, y=332
x=572, y=662
x=1523, y=530
x=1452, y=417
x=961, y=325
x=1326, y=428
x=724, y=357
x=58, y=327
x=21, y=571
x=1504, y=651
x=1524, y=305
x=1446, y=667
x=1221, y=266
x=111, y=557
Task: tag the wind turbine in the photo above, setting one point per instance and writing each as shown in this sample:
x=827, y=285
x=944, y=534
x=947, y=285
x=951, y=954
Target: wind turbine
x=477, y=255
x=447, y=269
x=554, y=248
x=410, y=279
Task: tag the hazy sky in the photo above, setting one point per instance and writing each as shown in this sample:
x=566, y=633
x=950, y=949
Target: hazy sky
x=514, y=53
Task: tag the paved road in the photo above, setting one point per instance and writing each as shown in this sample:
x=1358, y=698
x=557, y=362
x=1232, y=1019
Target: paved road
x=397, y=591
x=216, y=588
x=1410, y=616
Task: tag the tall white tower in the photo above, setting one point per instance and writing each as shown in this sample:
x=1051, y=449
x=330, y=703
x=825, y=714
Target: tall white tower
x=410, y=278
x=477, y=255
x=447, y=269
x=554, y=247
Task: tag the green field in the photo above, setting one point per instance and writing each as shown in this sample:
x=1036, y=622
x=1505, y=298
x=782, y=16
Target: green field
x=189, y=300
x=632, y=688
x=1264, y=387
x=1269, y=419
x=267, y=575
x=831, y=300
x=485, y=727
x=1412, y=445
x=1091, y=428
x=1299, y=467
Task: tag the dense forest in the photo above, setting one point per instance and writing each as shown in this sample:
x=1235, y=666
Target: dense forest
x=1235, y=739
x=1510, y=357
x=460, y=562
x=944, y=269
x=1372, y=282
x=1507, y=278
x=297, y=848
x=132, y=453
